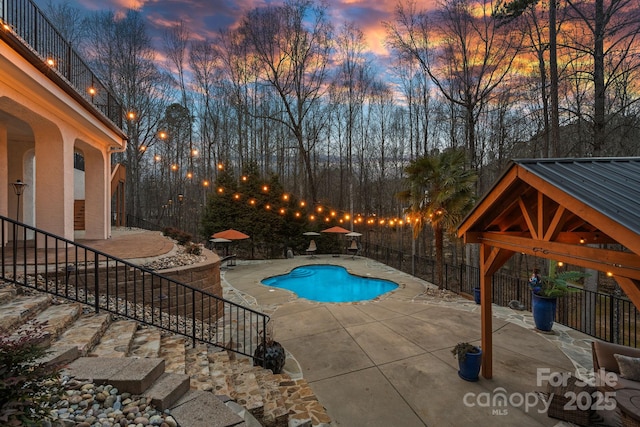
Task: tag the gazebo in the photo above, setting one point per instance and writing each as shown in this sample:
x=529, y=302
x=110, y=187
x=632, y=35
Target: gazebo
x=559, y=209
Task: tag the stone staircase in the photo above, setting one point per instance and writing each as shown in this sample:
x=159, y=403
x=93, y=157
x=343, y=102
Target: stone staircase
x=199, y=386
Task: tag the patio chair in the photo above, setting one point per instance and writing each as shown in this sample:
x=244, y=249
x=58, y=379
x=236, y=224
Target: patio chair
x=353, y=249
x=311, y=250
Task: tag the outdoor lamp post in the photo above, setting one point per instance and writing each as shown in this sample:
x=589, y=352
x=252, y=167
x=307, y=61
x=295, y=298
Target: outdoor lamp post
x=18, y=188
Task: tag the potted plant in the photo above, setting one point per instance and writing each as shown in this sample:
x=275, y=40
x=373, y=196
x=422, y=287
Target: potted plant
x=270, y=354
x=545, y=293
x=469, y=360
x=476, y=295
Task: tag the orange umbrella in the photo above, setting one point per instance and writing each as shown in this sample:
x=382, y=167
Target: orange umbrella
x=336, y=229
x=230, y=234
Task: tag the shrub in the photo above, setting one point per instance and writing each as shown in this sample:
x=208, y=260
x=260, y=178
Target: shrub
x=193, y=248
x=182, y=237
x=26, y=385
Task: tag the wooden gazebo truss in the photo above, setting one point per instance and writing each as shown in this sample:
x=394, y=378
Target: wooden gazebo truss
x=584, y=212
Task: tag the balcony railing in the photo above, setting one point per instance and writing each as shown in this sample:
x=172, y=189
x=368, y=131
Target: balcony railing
x=29, y=32
x=39, y=260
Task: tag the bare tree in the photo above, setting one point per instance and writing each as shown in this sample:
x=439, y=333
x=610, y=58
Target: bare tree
x=68, y=20
x=120, y=51
x=473, y=54
x=352, y=82
x=291, y=44
x=610, y=35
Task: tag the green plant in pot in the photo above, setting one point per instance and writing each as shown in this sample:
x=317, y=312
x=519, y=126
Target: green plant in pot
x=545, y=293
x=469, y=360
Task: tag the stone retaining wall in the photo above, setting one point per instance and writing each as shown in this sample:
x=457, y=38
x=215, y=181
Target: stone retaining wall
x=122, y=281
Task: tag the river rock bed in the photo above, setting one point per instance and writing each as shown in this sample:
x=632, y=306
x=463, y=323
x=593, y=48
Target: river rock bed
x=84, y=404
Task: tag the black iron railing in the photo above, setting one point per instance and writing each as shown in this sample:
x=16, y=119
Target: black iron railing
x=608, y=317
x=39, y=260
x=27, y=29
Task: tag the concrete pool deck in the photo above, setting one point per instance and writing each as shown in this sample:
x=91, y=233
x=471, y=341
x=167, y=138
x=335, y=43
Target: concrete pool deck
x=388, y=362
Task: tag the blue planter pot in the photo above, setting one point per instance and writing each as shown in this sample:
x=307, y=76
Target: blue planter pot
x=476, y=295
x=469, y=368
x=544, y=312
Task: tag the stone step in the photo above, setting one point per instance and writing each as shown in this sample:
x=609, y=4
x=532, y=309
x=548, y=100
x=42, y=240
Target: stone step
x=302, y=403
x=116, y=341
x=203, y=409
x=221, y=373
x=7, y=293
x=84, y=333
x=197, y=367
x=172, y=350
x=128, y=374
x=167, y=390
x=276, y=413
x=18, y=310
x=146, y=342
x=54, y=320
x=245, y=388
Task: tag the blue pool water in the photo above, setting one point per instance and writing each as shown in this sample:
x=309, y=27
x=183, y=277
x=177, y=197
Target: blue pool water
x=330, y=283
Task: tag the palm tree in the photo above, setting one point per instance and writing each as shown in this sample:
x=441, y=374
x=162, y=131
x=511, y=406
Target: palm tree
x=440, y=193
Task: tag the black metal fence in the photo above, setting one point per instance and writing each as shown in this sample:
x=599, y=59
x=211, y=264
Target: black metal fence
x=604, y=316
x=39, y=260
x=24, y=21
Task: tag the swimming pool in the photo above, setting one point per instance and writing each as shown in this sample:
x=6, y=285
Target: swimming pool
x=330, y=283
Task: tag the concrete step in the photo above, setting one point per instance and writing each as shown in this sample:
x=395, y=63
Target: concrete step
x=202, y=409
x=146, y=342
x=116, y=341
x=128, y=374
x=54, y=320
x=84, y=333
x=18, y=310
x=172, y=350
x=167, y=390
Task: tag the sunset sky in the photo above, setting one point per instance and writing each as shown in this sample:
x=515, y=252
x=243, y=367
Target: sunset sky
x=206, y=17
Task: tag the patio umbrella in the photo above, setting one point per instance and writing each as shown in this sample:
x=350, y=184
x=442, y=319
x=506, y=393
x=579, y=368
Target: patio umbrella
x=310, y=233
x=337, y=229
x=230, y=234
x=220, y=240
x=353, y=234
